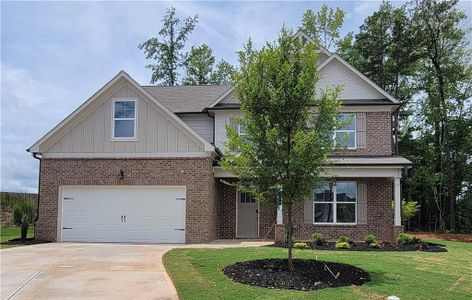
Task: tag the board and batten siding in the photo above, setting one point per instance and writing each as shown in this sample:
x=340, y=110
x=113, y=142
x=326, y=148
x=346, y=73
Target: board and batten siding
x=353, y=87
x=223, y=117
x=155, y=132
x=201, y=123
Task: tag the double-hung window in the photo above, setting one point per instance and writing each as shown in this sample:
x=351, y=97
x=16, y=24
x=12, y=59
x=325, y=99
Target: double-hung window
x=346, y=135
x=242, y=134
x=335, y=204
x=124, y=119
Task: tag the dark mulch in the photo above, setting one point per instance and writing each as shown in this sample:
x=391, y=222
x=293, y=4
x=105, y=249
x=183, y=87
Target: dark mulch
x=18, y=241
x=361, y=246
x=308, y=274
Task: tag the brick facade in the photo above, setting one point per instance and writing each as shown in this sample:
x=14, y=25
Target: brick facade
x=378, y=136
x=379, y=217
x=195, y=173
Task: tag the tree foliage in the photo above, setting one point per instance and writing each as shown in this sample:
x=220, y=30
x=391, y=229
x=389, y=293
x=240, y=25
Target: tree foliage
x=199, y=65
x=223, y=73
x=166, y=49
x=420, y=53
x=285, y=145
x=323, y=26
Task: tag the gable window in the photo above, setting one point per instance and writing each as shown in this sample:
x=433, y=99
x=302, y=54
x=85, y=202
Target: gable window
x=346, y=135
x=335, y=204
x=124, y=119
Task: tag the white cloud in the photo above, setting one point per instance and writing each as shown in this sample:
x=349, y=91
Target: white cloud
x=29, y=108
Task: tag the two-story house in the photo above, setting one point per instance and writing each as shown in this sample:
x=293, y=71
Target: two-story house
x=140, y=164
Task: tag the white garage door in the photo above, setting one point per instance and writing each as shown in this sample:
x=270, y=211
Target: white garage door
x=139, y=214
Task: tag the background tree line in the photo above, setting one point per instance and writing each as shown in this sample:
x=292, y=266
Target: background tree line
x=419, y=53
x=167, y=56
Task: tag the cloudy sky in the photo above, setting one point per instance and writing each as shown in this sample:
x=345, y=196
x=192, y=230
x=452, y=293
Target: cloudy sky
x=54, y=55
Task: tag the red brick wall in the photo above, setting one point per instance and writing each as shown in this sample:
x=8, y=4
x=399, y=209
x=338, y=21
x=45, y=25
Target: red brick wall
x=227, y=214
x=378, y=136
x=195, y=173
x=226, y=210
x=379, y=216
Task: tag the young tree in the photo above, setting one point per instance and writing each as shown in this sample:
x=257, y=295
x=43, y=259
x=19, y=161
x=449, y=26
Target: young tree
x=24, y=214
x=323, y=26
x=199, y=65
x=223, y=73
x=286, y=143
x=166, y=49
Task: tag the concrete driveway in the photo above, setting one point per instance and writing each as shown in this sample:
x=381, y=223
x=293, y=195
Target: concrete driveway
x=85, y=271
x=93, y=271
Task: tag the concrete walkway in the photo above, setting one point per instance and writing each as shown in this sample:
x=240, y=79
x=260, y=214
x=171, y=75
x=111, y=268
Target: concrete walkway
x=92, y=271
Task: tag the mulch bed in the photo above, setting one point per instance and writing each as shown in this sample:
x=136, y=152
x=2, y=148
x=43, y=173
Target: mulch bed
x=18, y=241
x=308, y=274
x=361, y=246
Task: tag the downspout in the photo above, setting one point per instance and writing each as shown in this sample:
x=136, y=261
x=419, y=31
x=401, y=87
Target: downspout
x=35, y=155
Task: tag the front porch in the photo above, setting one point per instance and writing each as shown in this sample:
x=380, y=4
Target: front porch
x=372, y=205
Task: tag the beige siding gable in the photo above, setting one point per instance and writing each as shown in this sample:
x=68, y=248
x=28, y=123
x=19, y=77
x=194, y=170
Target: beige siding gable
x=156, y=131
x=353, y=86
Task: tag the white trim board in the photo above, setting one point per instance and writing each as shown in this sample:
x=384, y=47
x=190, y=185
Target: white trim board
x=126, y=155
x=340, y=171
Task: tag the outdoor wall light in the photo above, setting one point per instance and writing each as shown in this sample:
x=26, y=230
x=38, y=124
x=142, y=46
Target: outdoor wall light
x=121, y=174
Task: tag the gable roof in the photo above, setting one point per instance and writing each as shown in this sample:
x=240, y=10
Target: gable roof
x=336, y=57
x=122, y=75
x=188, y=98
x=302, y=34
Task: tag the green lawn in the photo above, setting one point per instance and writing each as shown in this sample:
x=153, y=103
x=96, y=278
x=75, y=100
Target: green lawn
x=8, y=233
x=197, y=274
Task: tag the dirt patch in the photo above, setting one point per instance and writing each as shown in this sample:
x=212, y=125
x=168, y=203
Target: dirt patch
x=454, y=237
x=361, y=246
x=307, y=274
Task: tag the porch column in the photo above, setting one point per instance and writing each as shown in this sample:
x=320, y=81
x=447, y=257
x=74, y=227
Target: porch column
x=397, y=198
x=279, y=214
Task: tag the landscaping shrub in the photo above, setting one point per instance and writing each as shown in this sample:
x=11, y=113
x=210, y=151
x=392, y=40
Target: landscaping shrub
x=343, y=239
x=300, y=245
x=24, y=214
x=375, y=245
x=342, y=245
x=318, y=238
x=370, y=239
x=403, y=239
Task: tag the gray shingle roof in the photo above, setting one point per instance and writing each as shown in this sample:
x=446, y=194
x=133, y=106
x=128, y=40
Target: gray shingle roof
x=186, y=98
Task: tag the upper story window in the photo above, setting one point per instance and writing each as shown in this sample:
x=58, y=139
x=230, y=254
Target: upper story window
x=241, y=133
x=124, y=119
x=346, y=135
x=335, y=204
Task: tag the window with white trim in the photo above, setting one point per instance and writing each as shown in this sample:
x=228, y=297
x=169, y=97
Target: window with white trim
x=241, y=133
x=124, y=119
x=346, y=135
x=335, y=203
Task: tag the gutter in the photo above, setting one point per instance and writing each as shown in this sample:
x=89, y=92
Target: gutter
x=37, y=156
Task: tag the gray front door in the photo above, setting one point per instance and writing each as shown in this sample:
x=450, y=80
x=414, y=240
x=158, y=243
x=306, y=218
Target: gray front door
x=248, y=216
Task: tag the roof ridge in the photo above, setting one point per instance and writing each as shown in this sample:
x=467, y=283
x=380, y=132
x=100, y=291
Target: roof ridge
x=188, y=85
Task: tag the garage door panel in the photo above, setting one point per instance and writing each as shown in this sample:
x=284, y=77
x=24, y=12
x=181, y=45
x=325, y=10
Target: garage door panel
x=153, y=214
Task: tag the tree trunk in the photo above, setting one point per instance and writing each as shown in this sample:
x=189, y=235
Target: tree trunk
x=289, y=237
x=24, y=231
